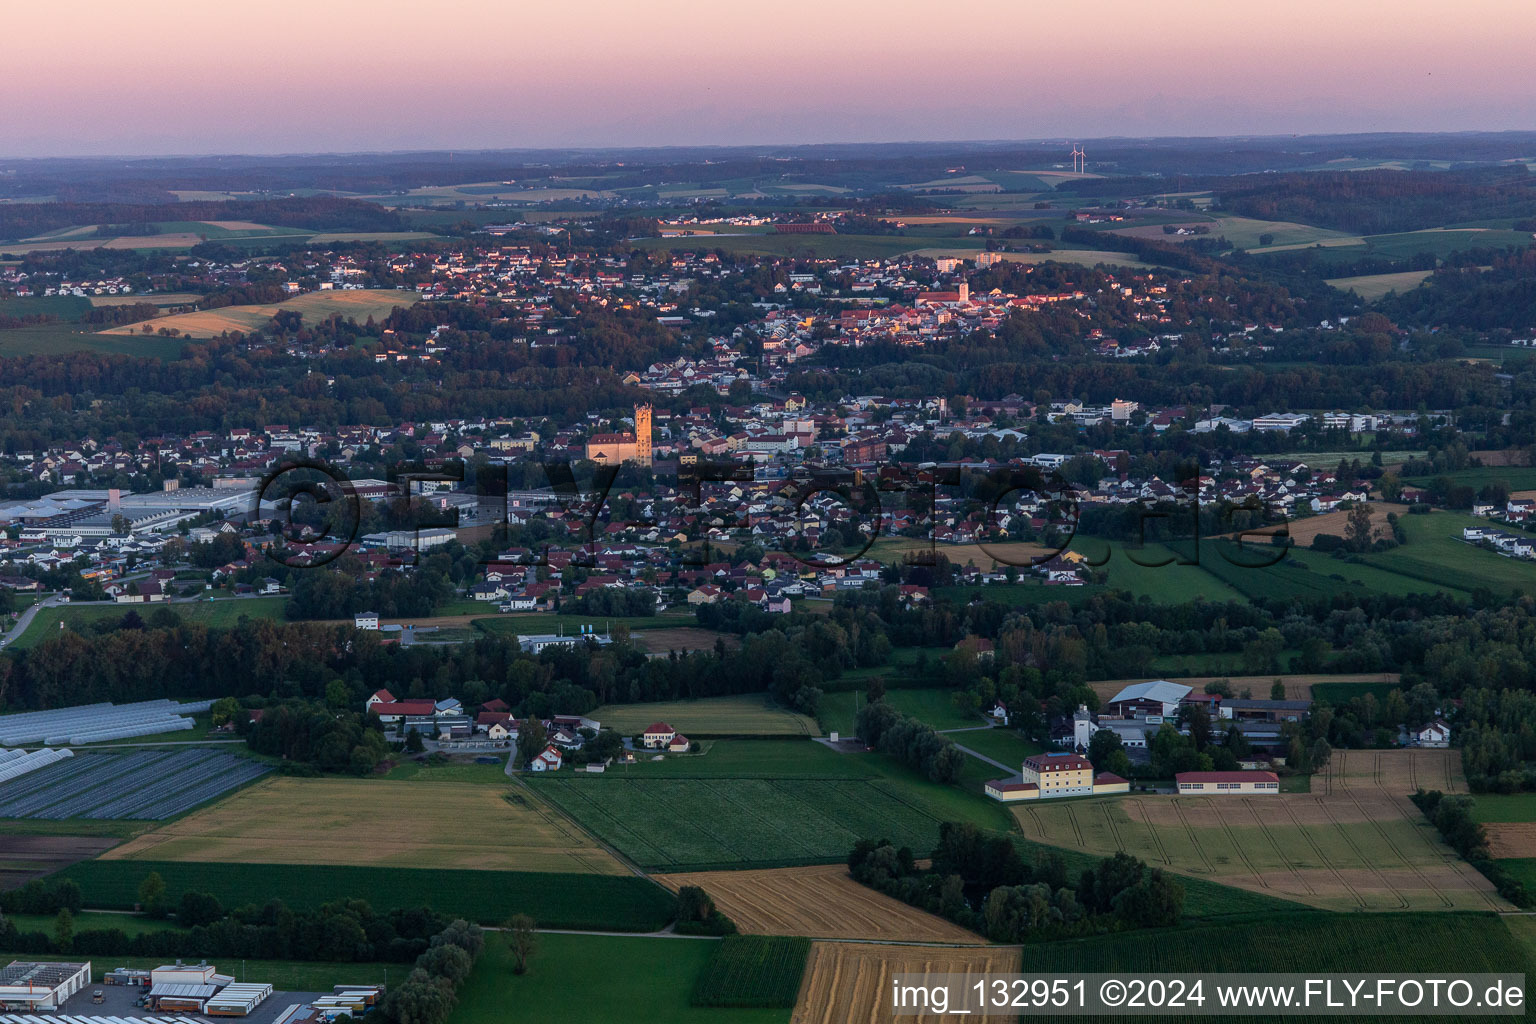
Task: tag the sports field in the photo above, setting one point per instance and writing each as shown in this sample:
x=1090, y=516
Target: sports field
x=315, y=306
x=819, y=901
x=1355, y=842
x=740, y=715
x=382, y=822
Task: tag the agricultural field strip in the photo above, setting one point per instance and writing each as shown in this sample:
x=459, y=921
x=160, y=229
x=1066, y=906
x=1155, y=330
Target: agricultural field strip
x=660, y=815
x=324, y=818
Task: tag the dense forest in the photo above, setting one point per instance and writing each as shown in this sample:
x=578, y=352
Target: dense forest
x=25, y=220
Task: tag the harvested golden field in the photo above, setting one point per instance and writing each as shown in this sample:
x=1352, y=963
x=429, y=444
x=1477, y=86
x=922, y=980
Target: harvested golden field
x=161, y=299
x=404, y=823
x=1512, y=839
x=850, y=982
x=315, y=306
x=1303, y=531
x=1297, y=687
x=1371, y=287
x=820, y=902
x=1356, y=842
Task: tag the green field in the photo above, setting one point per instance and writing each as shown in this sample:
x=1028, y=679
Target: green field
x=220, y=613
x=1519, y=478
x=1436, y=553
x=1523, y=869
x=764, y=803
x=89, y=920
x=741, y=715
x=588, y=902
x=753, y=971
x=936, y=707
x=594, y=979
x=1343, y=693
x=47, y=339
x=488, y=774
x=1505, y=807
x=1000, y=744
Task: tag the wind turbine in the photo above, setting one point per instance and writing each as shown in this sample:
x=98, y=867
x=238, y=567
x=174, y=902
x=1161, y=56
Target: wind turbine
x=1079, y=159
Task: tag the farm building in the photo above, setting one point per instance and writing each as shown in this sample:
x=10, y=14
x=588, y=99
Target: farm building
x=1158, y=697
x=678, y=744
x=29, y=985
x=1222, y=783
x=548, y=761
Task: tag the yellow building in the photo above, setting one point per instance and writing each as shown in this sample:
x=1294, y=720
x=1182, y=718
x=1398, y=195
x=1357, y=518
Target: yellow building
x=613, y=449
x=1059, y=774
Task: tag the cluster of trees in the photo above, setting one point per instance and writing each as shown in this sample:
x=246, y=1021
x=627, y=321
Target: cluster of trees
x=315, y=212
x=1497, y=733
x=912, y=742
x=430, y=992
x=309, y=734
x=344, y=931
x=697, y=914
x=979, y=880
x=1452, y=815
x=1379, y=202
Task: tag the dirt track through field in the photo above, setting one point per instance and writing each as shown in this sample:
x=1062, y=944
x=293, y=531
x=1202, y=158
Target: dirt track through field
x=850, y=983
x=821, y=902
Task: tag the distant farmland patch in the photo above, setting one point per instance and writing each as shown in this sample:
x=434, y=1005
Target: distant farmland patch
x=1371, y=287
x=314, y=306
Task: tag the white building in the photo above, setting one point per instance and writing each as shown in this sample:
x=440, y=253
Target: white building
x=30, y=985
x=1224, y=783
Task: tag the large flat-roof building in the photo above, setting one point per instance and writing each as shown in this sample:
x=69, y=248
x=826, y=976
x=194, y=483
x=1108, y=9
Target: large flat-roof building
x=36, y=985
x=1224, y=783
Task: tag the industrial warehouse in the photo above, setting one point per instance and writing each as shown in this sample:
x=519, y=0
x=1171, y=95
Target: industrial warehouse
x=52, y=993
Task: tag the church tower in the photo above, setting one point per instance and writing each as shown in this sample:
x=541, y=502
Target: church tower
x=643, y=434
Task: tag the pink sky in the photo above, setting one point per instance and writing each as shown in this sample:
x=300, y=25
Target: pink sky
x=203, y=76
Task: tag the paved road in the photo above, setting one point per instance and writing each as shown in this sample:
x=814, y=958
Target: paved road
x=27, y=616
x=1011, y=769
